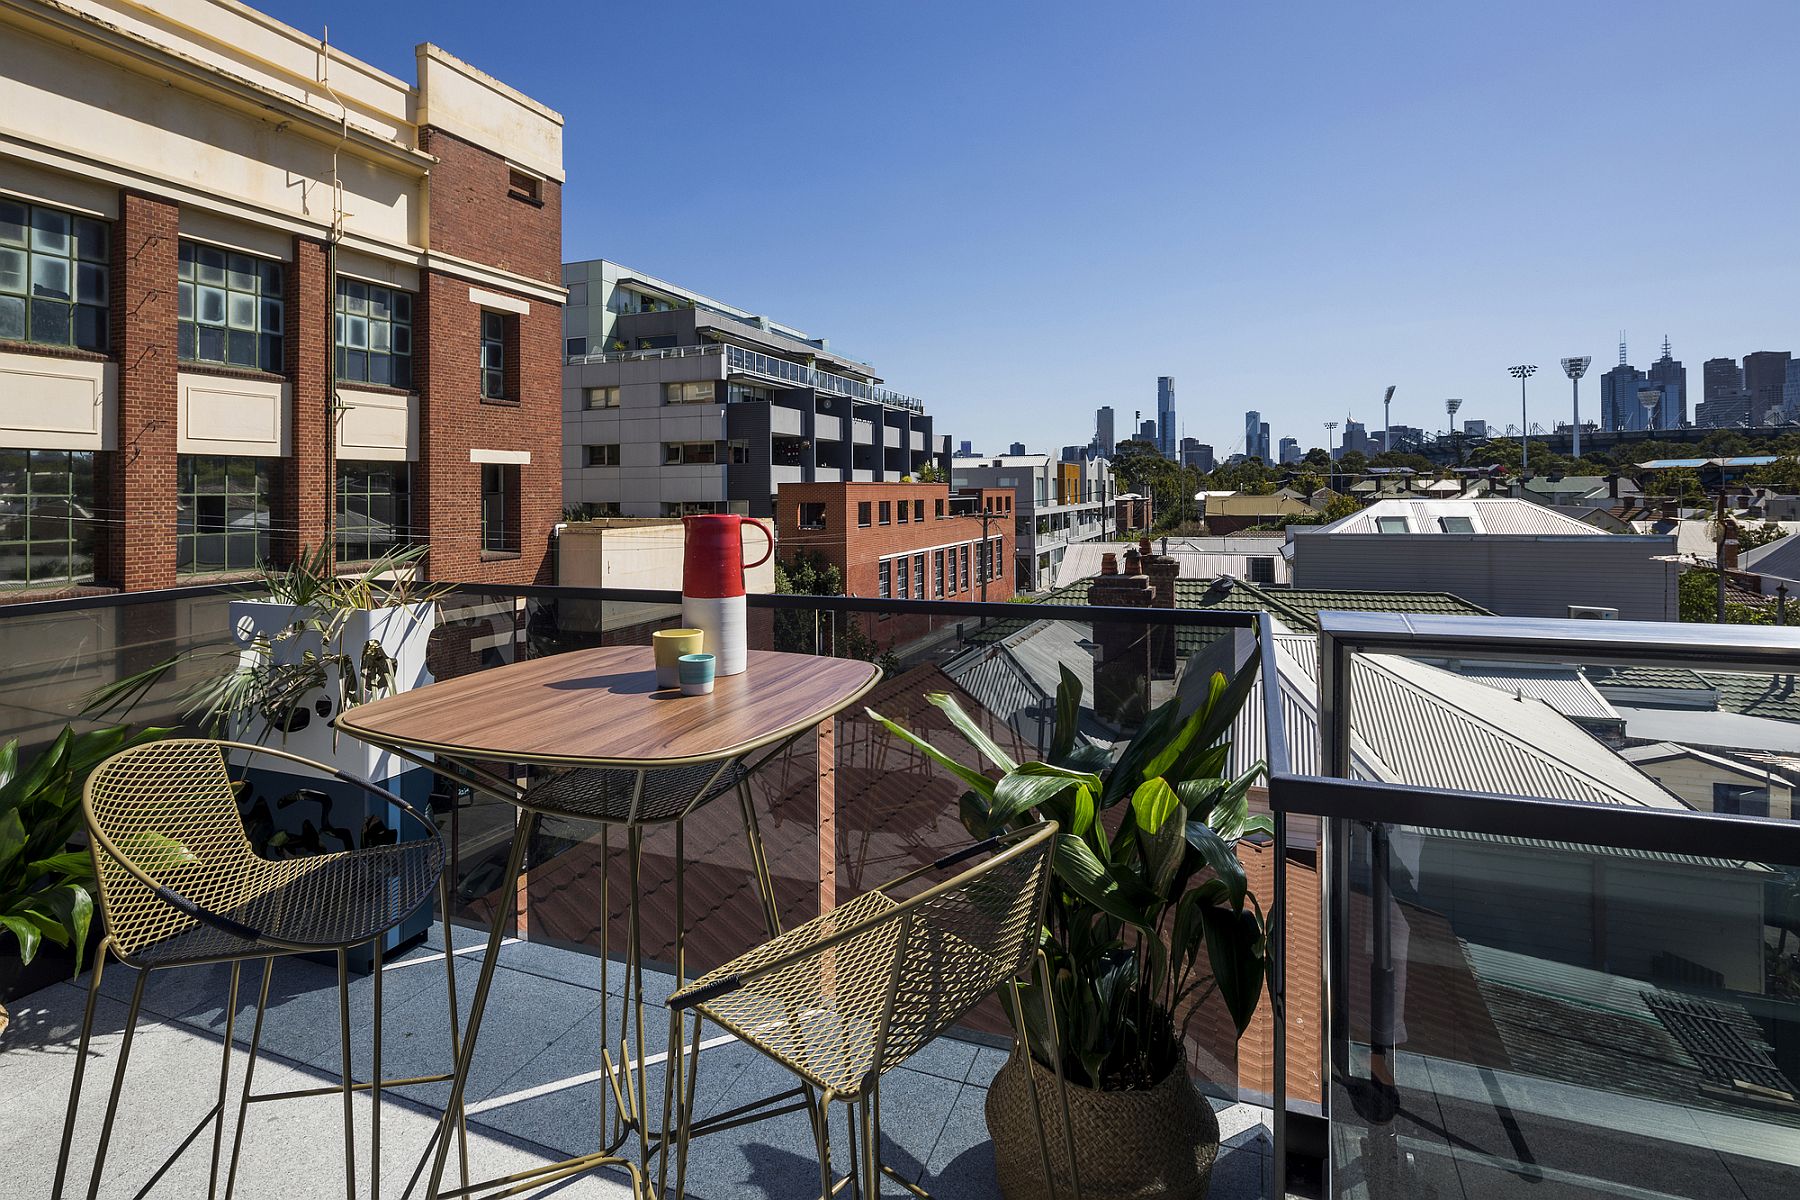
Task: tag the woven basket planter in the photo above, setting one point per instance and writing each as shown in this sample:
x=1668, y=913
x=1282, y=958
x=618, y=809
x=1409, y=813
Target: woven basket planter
x=1158, y=1144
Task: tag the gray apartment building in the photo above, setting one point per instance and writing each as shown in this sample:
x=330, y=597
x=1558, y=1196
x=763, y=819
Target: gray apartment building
x=1054, y=505
x=676, y=403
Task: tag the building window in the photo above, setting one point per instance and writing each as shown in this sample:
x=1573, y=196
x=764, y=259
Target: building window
x=1390, y=525
x=937, y=574
x=374, y=334
x=1741, y=799
x=995, y=557
x=222, y=510
x=691, y=508
x=740, y=453
x=919, y=511
x=884, y=573
x=885, y=506
x=812, y=516
x=493, y=355
x=964, y=556
x=690, y=453
x=901, y=574
x=688, y=393
x=940, y=509
x=1261, y=570
x=47, y=519
x=521, y=185
x=905, y=510
x=919, y=576
x=862, y=514
x=955, y=579
x=602, y=397
x=500, y=508
x=230, y=308
x=981, y=563
x=1456, y=524
x=374, y=509
x=54, y=277
x=574, y=347
x=606, y=455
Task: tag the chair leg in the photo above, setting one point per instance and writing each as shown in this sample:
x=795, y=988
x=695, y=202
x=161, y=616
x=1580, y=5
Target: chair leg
x=1037, y=1111
x=822, y=1135
x=237, y=1141
x=343, y=961
x=462, y=1122
x=212, y=1180
x=759, y=861
x=1062, y=1087
x=112, y=1101
x=87, y=1030
x=375, y=1079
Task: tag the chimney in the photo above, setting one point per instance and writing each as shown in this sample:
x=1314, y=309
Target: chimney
x=1612, y=486
x=1728, y=553
x=1671, y=508
x=1121, y=648
x=1162, y=571
x=1109, y=565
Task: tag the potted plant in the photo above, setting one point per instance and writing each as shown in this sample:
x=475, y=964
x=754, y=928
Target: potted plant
x=47, y=889
x=1150, y=914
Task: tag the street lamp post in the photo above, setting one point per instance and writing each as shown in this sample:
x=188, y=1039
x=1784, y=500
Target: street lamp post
x=1522, y=373
x=1575, y=368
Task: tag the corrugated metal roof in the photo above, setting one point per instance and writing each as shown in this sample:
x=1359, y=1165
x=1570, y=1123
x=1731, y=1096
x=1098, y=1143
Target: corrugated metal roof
x=1204, y=562
x=1563, y=688
x=1489, y=515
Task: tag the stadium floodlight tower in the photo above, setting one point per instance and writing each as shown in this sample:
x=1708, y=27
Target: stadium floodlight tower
x=1650, y=399
x=1387, y=420
x=1522, y=373
x=1450, y=407
x=1575, y=368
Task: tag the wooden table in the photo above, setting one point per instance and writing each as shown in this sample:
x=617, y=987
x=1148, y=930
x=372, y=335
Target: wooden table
x=599, y=714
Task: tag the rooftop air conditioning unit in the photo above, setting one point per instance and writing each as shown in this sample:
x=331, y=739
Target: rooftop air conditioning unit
x=1592, y=612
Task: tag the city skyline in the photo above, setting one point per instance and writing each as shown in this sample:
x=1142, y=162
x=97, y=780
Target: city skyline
x=1462, y=230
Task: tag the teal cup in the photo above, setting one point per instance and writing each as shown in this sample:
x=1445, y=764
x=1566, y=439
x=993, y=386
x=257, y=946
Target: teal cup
x=695, y=672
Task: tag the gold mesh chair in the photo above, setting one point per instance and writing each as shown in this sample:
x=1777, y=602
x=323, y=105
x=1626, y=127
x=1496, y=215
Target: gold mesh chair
x=181, y=885
x=849, y=996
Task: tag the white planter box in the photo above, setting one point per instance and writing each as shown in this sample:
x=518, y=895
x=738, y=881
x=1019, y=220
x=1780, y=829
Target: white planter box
x=403, y=631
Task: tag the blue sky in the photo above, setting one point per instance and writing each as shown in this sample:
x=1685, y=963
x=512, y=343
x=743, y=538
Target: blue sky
x=1019, y=212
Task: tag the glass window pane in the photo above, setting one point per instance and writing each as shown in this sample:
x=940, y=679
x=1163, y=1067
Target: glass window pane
x=271, y=279
x=269, y=353
x=402, y=338
x=91, y=327
x=91, y=240
x=212, y=344
x=243, y=275
x=50, y=322
x=402, y=368
x=378, y=302
x=12, y=271
x=378, y=369
x=242, y=311
x=185, y=260
x=357, y=331
x=378, y=335
x=50, y=277
x=13, y=219
x=271, y=316
x=403, y=306
x=186, y=348
x=212, y=306
x=184, y=302
x=209, y=265
x=12, y=318
x=50, y=230
x=490, y=356
x=358, y=362
x=90, y=284
x=240, y=350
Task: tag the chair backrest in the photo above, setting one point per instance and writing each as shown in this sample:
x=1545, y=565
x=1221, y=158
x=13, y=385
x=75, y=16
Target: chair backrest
x=963, y=939
x=167, y=808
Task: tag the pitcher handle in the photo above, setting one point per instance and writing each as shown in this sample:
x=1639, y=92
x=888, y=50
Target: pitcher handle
x=766, y=532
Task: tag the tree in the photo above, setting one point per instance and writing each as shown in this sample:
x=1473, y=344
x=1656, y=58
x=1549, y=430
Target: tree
x=1699, y=598
x=1783, y=474
x=1318, y=458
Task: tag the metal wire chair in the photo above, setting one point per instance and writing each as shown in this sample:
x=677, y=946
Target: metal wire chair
x=851, y=995
x=181, y=885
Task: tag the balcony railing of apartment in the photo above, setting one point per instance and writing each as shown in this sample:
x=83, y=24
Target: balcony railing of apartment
x=1480, y=979
x=768, y=366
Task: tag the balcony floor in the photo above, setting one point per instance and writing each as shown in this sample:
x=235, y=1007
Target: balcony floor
x=533, y=1092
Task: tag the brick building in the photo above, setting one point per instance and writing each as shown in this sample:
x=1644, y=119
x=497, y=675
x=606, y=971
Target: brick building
x=258, y=296
x=902, y=541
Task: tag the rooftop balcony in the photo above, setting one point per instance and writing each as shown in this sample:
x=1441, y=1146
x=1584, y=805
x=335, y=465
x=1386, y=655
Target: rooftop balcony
x=1508, y=951
x=768, y=368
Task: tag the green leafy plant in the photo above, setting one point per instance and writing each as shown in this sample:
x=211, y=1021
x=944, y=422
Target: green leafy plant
x=1151, y=912
x=264, y=680
x=46, y=889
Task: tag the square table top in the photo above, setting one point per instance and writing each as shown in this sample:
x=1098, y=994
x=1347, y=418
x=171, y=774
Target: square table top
x=602, y=707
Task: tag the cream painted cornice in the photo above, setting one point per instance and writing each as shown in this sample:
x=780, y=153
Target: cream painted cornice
x=68, y=27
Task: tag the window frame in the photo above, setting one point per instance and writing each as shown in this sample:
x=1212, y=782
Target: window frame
x=75, y=537
x=398, y=494
x=810, y=514
x=587, y=397
x=398, y=324
x=885, y=512
x=865, y=513
x=884, y=574
x=268, y=296
x=499, y=497
x=680, y=390
x=262, y=497
x=82, y=267
x=919, y=574
x=494, y=332
x=1382, y=525
x=590, y=459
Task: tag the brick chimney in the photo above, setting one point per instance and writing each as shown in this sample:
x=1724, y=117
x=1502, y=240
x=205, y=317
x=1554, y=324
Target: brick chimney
x=1121, y=648
x=1162, y=570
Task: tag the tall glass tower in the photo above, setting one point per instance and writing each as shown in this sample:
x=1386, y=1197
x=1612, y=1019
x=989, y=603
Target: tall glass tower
x=1165, y=415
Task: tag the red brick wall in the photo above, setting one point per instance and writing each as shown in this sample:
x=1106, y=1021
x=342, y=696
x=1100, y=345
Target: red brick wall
x=138, y=479
x=306, y=480
x=473, y=217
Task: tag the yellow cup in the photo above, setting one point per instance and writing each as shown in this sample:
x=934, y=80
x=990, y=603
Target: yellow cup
x=670, y=645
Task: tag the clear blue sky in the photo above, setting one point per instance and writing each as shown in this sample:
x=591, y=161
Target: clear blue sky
x=1020, y=212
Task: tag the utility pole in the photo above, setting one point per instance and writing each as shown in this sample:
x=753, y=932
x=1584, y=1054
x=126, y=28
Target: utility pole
x=1727, y=532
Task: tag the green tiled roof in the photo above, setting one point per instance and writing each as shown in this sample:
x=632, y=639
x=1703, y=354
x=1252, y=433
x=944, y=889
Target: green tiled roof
x=1673, y=678
x=1773, y=696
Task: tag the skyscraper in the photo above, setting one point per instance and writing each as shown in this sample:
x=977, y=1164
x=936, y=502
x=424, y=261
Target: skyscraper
x=1256, y=436
x=1147, y=432
x=1290, y=450
x=1720, y=377
x=1668, y=374
x=1016, y=448
x=1165, y=415
x=1765, y=376
x=1262, y=443
x=1619, y=407
x=1356, y=438
x=1103, y=430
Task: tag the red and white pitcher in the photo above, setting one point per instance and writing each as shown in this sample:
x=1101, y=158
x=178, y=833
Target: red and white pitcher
x=712, y=585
